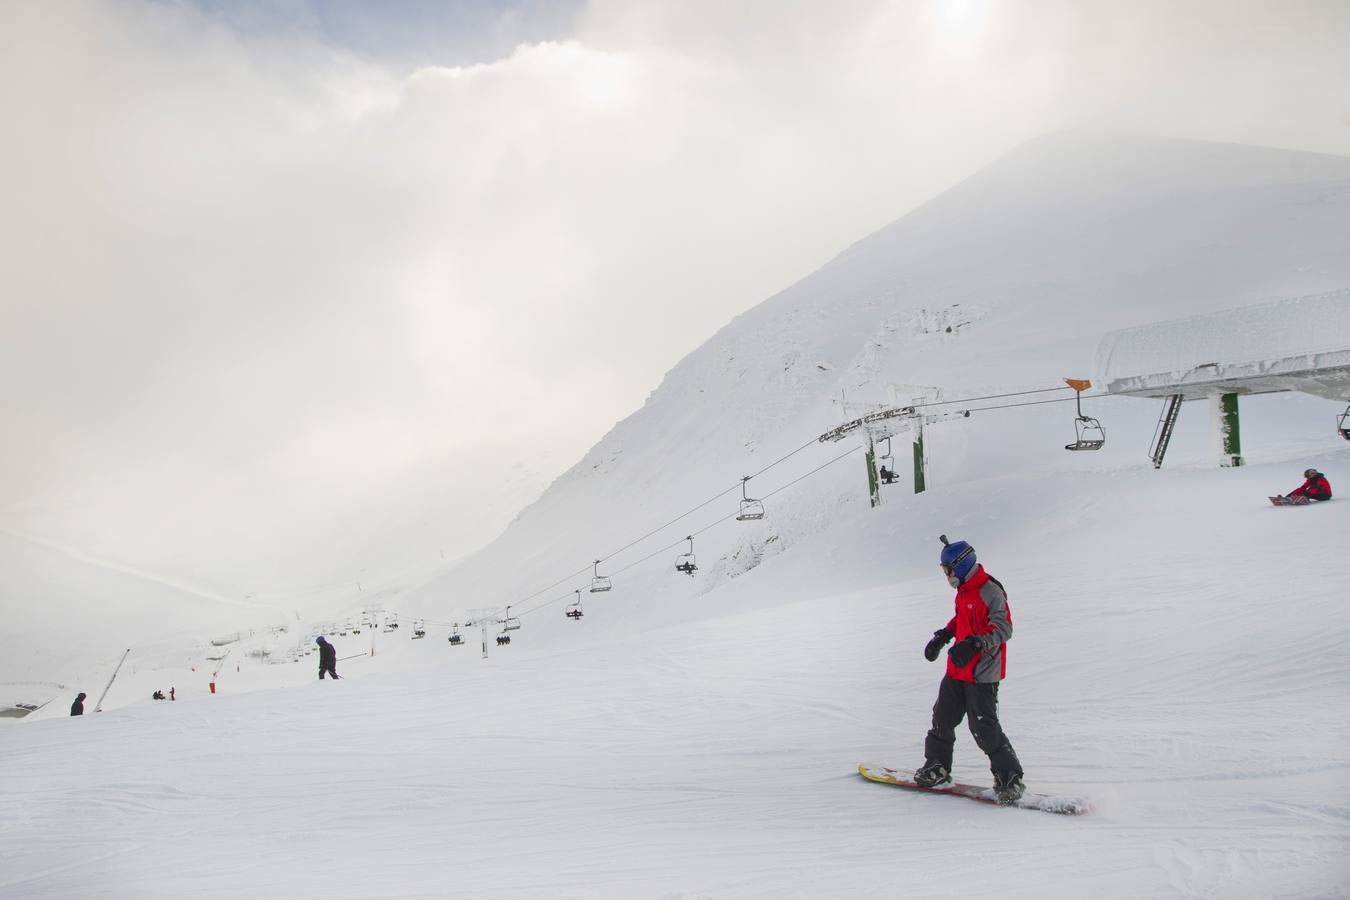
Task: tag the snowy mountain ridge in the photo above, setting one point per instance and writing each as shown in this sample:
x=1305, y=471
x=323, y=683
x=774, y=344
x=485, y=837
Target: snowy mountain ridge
x=1029, y=262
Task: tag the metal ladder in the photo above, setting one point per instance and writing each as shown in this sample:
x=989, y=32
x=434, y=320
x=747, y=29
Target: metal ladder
x=1162, y=435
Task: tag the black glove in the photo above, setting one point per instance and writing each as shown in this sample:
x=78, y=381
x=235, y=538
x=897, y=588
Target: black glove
x=965, y=651
x=940, y=639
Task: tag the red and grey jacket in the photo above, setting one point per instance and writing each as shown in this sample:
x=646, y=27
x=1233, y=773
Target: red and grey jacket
x=1315, y=488
x=982, y=610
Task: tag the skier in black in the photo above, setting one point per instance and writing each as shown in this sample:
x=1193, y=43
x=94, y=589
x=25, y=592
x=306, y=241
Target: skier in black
x=327, y=658
x=77, y=708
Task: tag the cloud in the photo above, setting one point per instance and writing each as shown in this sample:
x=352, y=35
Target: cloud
x=273, y=307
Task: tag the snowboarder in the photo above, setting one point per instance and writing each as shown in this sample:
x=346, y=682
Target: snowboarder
x=327, y=658
x=77, y=708
x=975, y=666
x=1314, y=487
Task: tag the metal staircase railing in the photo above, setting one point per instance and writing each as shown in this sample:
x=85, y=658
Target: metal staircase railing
x=1162, y=435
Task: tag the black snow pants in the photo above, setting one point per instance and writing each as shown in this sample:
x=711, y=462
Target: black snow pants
x=955, y=701
x=330, y=669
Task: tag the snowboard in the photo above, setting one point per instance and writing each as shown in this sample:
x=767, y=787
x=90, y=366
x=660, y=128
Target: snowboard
x=1300, y=500
x=1068, y=806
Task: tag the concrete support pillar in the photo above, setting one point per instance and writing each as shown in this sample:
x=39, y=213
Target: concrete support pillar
x=1225, y=410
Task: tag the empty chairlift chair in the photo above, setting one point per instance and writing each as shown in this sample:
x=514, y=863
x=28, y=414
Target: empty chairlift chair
x=751, y=509
x=509, y=622
x=1343, y=423
x=574, y=608
x=1087, y=430
x=685, y=561
x=600, y=582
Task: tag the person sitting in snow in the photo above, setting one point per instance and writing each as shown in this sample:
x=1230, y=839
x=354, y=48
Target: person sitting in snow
x=157, y=695
x=975, y=666
x=1314, y=487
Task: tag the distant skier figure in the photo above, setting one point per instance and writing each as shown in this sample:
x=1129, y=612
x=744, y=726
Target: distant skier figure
x=77, y=708
x=1314, y=487
x=327, y=658
x=157, y=695
x=975, y=666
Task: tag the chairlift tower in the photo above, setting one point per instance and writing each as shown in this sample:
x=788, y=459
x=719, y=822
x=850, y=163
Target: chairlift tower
x=881, y=425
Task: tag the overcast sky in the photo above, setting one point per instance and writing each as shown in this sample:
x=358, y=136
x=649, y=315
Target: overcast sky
x=284, y=282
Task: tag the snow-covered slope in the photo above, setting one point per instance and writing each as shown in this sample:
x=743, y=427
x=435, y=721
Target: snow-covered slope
x=1179, y=645
x=1179, y=642
x=1006, y=282
x=67, y=619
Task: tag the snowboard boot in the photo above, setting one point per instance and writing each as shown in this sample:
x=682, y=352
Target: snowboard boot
x=1009, y=788
x=933, y=774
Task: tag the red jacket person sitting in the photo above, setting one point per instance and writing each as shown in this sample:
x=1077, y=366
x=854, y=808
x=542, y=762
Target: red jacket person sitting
x=1316, y=487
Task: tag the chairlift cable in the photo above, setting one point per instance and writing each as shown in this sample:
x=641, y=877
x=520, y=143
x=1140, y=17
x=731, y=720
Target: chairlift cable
x=738, y=484
x=732, y=516
x=783, y=459
x=779, y=461
x=665, y=526
x=989, y=397
x=669, y=547
x=1035, y=402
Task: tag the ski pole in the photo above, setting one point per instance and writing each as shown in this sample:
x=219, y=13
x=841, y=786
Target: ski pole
x=353, y=656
